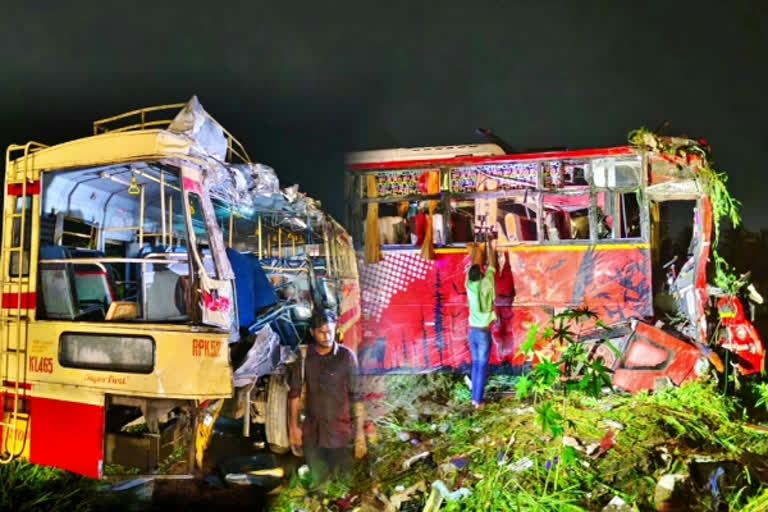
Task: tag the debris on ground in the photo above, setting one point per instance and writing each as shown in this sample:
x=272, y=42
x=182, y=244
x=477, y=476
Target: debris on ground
x=683, y=448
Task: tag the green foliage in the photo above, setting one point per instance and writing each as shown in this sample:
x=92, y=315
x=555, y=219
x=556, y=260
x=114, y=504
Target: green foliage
x=761, y=389
x=523, y=387
x=549, y=419
x=119, y=469
x=595, y=378
x=714, y=184
x=526, y=348
x=29, y=487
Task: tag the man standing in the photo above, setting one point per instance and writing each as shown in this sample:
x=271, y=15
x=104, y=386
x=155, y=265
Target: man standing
x=330, y=373
x=481, y=294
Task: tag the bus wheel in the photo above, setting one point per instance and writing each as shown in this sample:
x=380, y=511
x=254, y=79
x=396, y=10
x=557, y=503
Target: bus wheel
x=277, y=415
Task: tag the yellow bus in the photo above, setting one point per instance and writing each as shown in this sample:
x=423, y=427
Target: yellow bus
x=120, y=305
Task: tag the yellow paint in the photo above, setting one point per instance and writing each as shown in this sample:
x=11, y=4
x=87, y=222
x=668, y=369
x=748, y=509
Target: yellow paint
x=18, y=443
x=106, y=148
x=204, y=430
x=184, y=367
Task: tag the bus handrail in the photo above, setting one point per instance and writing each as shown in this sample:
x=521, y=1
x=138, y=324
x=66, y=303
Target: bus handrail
x=234, y=147
x=99, y=261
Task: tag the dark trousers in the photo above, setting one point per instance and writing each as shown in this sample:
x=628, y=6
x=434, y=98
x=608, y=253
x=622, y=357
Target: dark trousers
x=324, y=461
x=480, y=348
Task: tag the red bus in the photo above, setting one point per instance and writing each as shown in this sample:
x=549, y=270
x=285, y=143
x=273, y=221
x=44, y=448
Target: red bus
x=591, y=228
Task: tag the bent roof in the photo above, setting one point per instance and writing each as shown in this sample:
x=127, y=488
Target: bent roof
x=548, y=155
x=107, y=148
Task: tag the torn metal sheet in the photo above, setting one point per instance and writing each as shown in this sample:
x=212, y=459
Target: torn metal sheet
x=262, y=357
x=194, y=122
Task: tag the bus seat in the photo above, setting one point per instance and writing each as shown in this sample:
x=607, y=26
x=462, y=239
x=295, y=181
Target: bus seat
x=122, y=310
x=513, y=227
x=93, y=284
x=520, y=228
x=160, y=293
x=58, y=289
x=579, y=227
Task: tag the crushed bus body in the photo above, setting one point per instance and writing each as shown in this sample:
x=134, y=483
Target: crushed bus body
x=588, y=229
x=151, y=273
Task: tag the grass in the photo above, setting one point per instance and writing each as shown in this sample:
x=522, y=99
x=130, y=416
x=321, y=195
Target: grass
x=29, y=487
x=694, y=419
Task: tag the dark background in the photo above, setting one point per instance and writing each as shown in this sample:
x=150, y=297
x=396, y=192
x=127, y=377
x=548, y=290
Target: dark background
x=301, y=83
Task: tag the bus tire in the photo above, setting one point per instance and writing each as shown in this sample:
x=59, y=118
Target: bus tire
x=276, y=425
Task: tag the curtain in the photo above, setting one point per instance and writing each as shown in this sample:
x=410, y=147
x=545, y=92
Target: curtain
x=433, y=187
x=372, y=239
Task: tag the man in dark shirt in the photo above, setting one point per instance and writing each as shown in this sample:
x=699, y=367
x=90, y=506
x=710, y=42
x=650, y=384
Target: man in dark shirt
x=330, y=373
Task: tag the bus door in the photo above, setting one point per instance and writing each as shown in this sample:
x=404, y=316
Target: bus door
x=213, y=278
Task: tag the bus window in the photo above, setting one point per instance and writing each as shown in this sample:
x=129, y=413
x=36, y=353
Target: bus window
x=516, y=221
x=462, y=222
x=17, y=270
x=618, y=214
x=201, y=235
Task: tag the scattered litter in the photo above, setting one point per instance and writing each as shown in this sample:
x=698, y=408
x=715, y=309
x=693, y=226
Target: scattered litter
x=460, y=462
x=257, y=477
x=666, y=486
x=613, y=424
x=408, y=463
x=403, y=436
x=399, y=488
x=606, y=443
x=617, y=505
x=441, y=492
x=444, y=427
x=523, y=410
x=130, y=484
x=393, y=503
x=760, y=429
x=521, y=465
x=447, y=468
x=573, y=443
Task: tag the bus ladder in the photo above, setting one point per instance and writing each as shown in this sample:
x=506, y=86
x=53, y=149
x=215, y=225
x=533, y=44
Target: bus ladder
x=17, y=291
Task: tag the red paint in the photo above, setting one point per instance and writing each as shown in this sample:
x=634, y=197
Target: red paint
x=641, y=373
x=740, y=336
x=12, y=384
x=406, y=328
x=192, y=186
x=67, y=435
x=551, y=155
x=111, y=289
x=17, y=189
x=213, y=302
x=10, y=300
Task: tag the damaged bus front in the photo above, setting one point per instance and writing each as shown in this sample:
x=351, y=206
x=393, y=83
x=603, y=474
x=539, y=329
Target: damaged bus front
x=149, y=274
x=587, y=229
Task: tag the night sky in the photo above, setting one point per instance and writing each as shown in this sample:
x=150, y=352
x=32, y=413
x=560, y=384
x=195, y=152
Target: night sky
x=301, y=83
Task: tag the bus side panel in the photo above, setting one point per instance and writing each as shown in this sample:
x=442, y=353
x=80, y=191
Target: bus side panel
x=67, y=435
x=415, y=316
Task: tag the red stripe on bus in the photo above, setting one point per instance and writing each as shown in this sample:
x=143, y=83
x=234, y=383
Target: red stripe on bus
x=67, y=435
x=496, y=159
x=10, y=300
x=17, y=189
x=12, y=384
